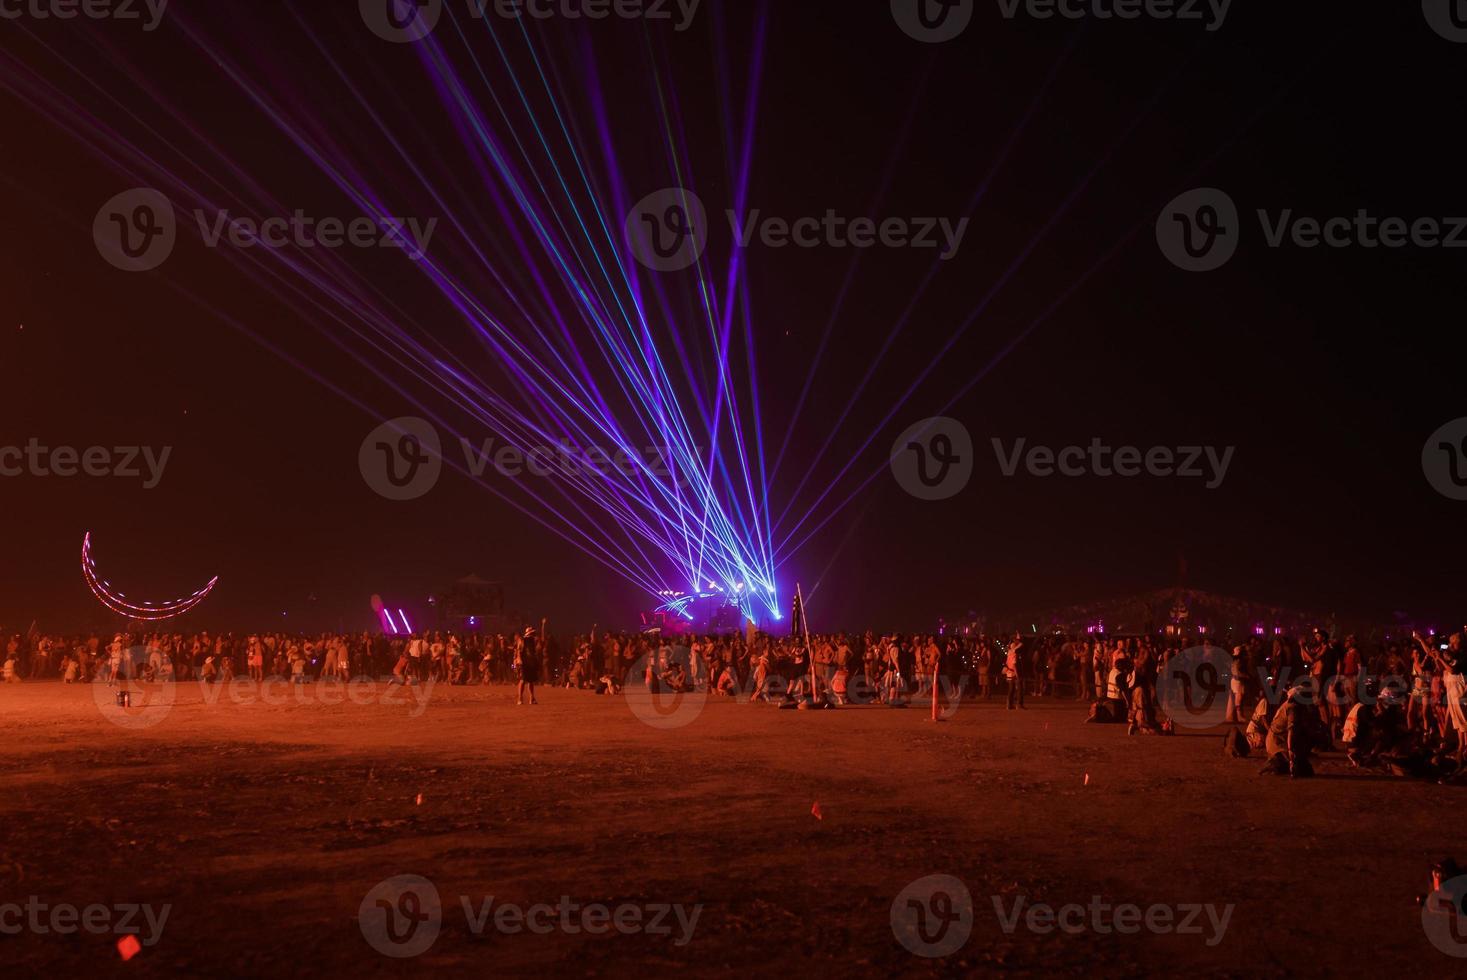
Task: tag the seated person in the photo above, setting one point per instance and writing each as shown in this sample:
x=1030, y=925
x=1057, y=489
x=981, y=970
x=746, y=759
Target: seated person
x=1293, y=736
x=727, y=684
x=1257, y=730
x=675, y=678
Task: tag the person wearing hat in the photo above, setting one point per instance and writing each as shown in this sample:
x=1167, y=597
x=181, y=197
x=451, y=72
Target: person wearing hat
x=527, y=662
x=114, y=660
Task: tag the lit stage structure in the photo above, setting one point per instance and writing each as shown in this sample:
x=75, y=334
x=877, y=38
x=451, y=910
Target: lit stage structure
x=467, y=606
x=471, y=604
x=709, y=611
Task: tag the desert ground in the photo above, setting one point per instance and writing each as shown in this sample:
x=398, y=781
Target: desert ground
x=264, y=819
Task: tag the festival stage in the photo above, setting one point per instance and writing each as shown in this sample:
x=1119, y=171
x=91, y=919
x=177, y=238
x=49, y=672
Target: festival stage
x=265, y=824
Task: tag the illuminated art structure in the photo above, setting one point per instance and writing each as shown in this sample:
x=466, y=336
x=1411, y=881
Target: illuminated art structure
x=109, y=596
x=711, y=610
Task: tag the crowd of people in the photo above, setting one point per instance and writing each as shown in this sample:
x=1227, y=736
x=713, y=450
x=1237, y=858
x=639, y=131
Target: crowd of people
x=1394, y=703
x=447, y=657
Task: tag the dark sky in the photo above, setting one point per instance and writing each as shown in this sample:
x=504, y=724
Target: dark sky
x=1326, y=368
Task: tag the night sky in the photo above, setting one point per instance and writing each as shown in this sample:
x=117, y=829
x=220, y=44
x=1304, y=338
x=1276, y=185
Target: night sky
x=1326, y=368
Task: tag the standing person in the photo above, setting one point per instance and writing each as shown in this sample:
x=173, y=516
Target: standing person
x=1014, y=666
x=41, y=661
x=841, y=682
x=874, y=660
x=415, y=658
x=1084, y=671
x=983, y=664
x=527, y=660
x=931, y=662
x=1323, y=660
x=1237, y=681
x=1350, y=676
x=114, y=660
x=1453, y=663
x=255, y=658
x=1421, y=682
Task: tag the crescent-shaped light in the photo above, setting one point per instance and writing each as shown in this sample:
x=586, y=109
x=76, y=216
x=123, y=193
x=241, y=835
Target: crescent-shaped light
x=114, y=600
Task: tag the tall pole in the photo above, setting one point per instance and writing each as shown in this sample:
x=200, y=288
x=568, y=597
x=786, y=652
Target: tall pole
x=809, y=651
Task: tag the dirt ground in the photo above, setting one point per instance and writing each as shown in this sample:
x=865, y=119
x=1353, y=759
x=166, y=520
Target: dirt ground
x=265, y=825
